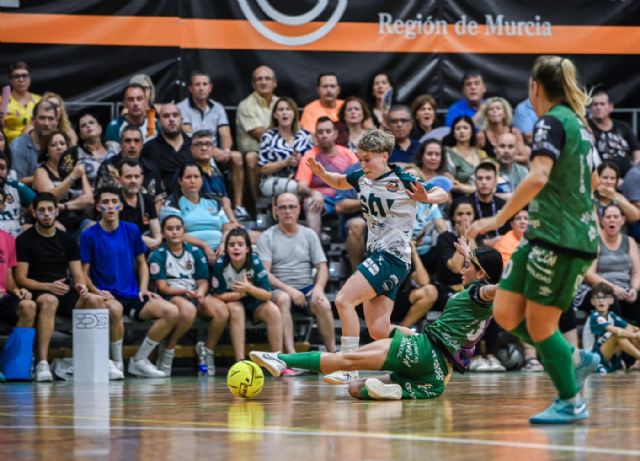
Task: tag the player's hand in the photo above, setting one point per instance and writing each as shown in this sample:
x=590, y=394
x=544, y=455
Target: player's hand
x=315, y=167
x=418, y=192
x=463, y=246
x=482, y=226
x=58, y=287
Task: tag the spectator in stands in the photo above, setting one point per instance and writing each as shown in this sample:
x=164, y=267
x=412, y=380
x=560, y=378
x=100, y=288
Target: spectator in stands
x=497, y=116
x=485, y=200
x=400, y=123
x=64, y=125
x=92, y=151
x=334, y=159
x=20, y=107
x=614, y=139
x=352, y=224
x=524, y=118
x=606, y=193
x=327, y=104
x=353, y=118
x=203, y=216
x=170, y=149
x=131, y=149
x=463, y=155
x=135, y=114
x=17, y=199
x=72, y=192
x=473, y=90
x=505, y=150
x=431, y=161
x=25, y=148
x=112, y=255
x=381, y=90
x=49, y=267
x=200, y=112
x=423, y=112
x=151, y=111
x=138, y=207
x=281, y=149
x=240, y=280
x=291, y=252
x=428, y=226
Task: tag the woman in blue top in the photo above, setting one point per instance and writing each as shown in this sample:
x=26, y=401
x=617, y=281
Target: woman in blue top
x=240, y=280
x=203, y=216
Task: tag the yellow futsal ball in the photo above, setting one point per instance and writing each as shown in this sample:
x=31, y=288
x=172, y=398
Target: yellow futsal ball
x=245, y=379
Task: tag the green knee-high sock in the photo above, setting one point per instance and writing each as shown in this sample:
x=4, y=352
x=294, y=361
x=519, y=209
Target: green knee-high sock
x=555, y=353
x=522, y=333
x=306, y=360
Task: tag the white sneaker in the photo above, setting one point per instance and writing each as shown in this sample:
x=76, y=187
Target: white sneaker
x=479, y=364
x=119, y=364
x=268, y=360
x=165, y=361
x=115, y=374
x=211, y=366
x=145, y=369
x=495, y=365
x=340, y=377
x=381, y=391
x=43, y=372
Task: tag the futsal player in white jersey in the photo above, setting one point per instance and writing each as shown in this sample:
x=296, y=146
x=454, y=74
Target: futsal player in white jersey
x=387, y=196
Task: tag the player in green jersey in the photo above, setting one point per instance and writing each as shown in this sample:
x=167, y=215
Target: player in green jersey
x=420, y=364
x=539, y=282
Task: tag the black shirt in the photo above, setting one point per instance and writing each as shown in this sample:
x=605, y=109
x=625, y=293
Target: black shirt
x=616, y=145
x=48, y=257
x=152, y=183
x=444, y=250
x=136, y=215
x=166, y=159
x=485, y=210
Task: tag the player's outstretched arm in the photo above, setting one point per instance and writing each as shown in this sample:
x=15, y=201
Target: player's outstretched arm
x=420, y=194
x=335, y=180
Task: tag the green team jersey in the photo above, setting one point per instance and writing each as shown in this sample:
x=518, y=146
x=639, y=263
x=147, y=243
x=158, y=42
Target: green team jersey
x=562, y=215
x=461, y=326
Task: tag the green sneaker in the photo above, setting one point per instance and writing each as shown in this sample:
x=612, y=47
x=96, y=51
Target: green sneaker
x=588, y=365
x=562, y=412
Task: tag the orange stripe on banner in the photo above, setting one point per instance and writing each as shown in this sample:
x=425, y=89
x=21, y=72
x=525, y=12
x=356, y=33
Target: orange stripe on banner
x=218, y=34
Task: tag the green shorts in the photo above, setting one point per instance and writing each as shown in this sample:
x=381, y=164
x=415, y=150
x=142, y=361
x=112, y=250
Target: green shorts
x=384, y=272
x=418, y=367
x=543, y=275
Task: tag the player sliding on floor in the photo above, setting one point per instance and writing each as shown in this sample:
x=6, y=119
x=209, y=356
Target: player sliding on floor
x=420, y=363
x=388, y=198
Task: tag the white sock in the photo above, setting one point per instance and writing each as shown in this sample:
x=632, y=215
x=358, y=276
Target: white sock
x=576, y=357
x=147, y=346
x=209, y=351
x=116, y=350
x=167, y=357
x=349, y=343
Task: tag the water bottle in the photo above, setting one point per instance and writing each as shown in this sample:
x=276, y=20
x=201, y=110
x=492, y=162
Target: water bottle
x=202, y=360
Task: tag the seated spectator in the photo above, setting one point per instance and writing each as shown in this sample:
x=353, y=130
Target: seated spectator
x=291, y=253
x=20, y=107
x=400, y=125
x=473, y=90
x=425, y=118
x=253, y=118
x=327, y=104
x=49, y=267
x=431, y=161
x=203, y=216
x=486, y=202
x=617, y=265
x=73, y=192
x=333, y=158
x=463, y=155
x=281, y=149
x=240, y=280
x=138, y=207
x=135, y=105
x=524, y=118
x=614, y=139
x=497, y=116
x=131, y=149
x=607, y=334
x=64, y=125
x=606, y=192
x=17, y=198
x=200, y=112
x=112, y=255
x=352, y=225
x=428, y=226
x=512, y=171
x=150, y=95
x=381, y=90
x=91, y=150
x=25, y=149
x=353, y=118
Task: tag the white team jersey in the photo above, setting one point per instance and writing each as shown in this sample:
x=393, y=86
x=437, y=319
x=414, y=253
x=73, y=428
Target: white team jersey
x=389, y=212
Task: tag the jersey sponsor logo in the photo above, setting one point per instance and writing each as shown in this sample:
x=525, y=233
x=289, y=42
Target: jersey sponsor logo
x=544, y=290
x=154, y=268
x=392, y=186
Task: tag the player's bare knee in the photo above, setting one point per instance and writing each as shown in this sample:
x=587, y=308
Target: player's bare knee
x=379, y=332
x=343, y=301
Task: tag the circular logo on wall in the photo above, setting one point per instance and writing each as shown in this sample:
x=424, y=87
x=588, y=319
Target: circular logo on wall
x=293, y=20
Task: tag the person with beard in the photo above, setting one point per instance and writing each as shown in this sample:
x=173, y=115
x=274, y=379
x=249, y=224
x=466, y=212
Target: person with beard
x=327, y=104
x=505, y=150
x=473, y=90
x=49, y=267
x=135, y=104
x=18, y=197
x=138, y=206
x=171, y=149
x=485, y=201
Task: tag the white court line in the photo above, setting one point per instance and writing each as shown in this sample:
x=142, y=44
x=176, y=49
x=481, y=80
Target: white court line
x=366, y=435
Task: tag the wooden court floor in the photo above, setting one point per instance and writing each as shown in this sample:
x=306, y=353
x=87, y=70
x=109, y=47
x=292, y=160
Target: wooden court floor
x=480, y=417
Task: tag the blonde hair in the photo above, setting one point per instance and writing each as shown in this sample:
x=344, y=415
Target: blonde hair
x=558, y=77
x=375, y=140
x=64, y=124
x=506, y=108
